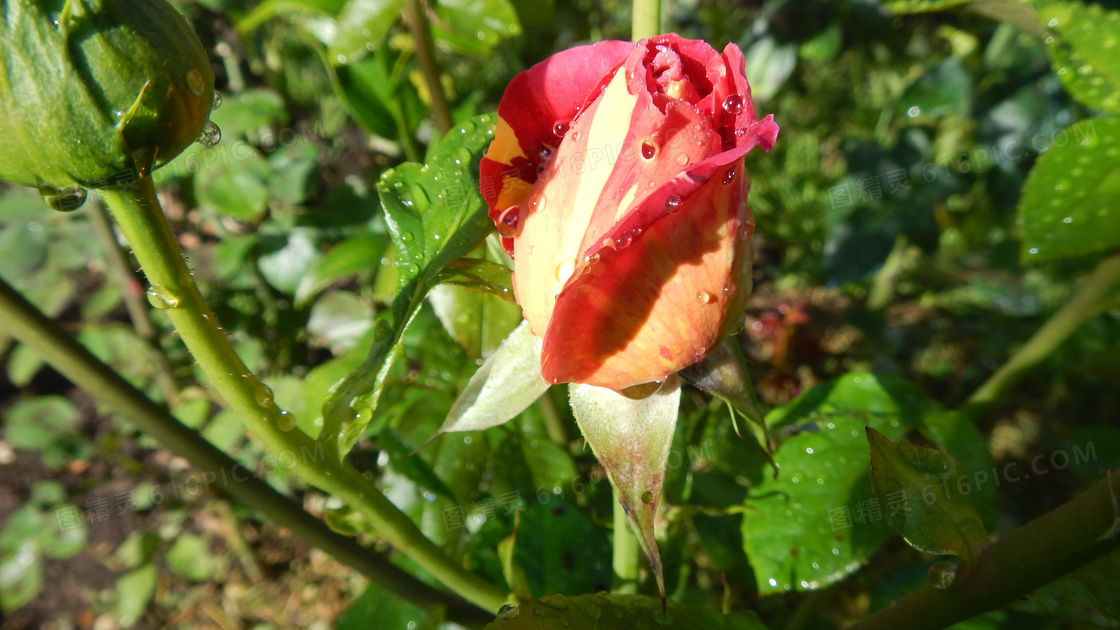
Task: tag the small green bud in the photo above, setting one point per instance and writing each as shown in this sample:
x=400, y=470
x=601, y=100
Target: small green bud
x=96, y=93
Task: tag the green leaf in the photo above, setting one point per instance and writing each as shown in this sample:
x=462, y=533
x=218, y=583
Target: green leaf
x=483, y=276
x=23, y=364
x=21, y=576
x=1084, y=46
x=1089, y=595
x=1071, y=198
x=511, y=571
x=378, y=608
x=191, y=559
x=631, y=434
x=358, y=252
x=508, y=382
x=602, y=611
x=137, y=549
x=339, y=319
x=373, y=94
x=818, y=520
x=478, y=321
x=235, y=189
x=361, y=26
x=943, y=90
x=565, y=552
x=243, y=115
x=414, y=467
x=134, y=591
x=286, y=258
x=923, y=6
x=435, y=216
x=933, y=515
x=474, y=27
x=271, y=8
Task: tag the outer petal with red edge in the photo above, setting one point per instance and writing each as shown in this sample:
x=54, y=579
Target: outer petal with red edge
x=537, y=103
x=650, y=309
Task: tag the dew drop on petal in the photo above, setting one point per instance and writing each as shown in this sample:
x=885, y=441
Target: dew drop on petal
x=729, y=175
x=649, y=150
x=559, y=128
x=536, y=203
x=565, y=270
x=673, y=203
x=509, y=222
x=682, y=159
x=703, y=297
x=733, y=104
x=624, y=240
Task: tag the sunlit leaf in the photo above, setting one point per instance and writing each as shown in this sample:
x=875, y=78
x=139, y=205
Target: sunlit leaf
x=1071, y=200
x=435, y=216
x=1082, y=41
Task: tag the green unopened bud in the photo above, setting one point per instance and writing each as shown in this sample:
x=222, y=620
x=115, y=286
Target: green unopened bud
x=97, y=92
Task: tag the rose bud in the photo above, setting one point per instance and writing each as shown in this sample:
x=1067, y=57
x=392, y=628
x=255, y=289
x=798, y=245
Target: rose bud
x=616, y=180
x=97, y=92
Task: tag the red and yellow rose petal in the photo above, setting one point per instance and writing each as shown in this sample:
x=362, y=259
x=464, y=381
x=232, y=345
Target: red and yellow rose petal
x=656, y=306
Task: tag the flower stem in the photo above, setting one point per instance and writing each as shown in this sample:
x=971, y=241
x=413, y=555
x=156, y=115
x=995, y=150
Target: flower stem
x=1029, y=557
x=120, y=272
x=646, y=19
x=140, y=217
x=34, y=329
x=1086, y=302
x=425, y=56
x=626, y=556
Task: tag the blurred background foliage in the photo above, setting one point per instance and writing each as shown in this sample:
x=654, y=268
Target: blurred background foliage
x=890, y=256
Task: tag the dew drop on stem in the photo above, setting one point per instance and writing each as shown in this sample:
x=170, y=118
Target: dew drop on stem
x=210, y=135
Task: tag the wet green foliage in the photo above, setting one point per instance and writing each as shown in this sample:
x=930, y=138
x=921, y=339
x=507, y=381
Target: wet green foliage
x=943, y=177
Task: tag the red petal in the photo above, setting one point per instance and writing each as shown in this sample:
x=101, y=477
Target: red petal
x=550, y=93
x=656, y=306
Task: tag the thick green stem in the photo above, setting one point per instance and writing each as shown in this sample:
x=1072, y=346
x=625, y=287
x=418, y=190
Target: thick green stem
x=627, y=554
x=120, y=271
x=27, y=324
x=425, y=56
x=1029, y=557
x=140, y=217
x=646, y=19
x=1086, y=302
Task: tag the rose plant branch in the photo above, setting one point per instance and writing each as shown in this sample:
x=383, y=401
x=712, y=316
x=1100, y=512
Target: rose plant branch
x=1040, y=552
x=417, y=21
x=34, y=329
x=1086, y=302
x=120, y=272
x=144, y=225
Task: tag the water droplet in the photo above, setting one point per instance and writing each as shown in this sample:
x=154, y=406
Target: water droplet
x=592, y=259
x=1033, y=250
x=558, y=602
x=649, y=150
x=536, y=203
x=703, y=297
x=733, y=104
x=1052, y=23
x=210, y=135
x=217, y=101
x=809, y=451
x=509, y=222
x=682, y=160
x=559, y=128
x=942, y=574
x=509, y=611
x=286, y=421
x=1067, y=220
x=647, y=496
x=729, y=175
x=161, y=298
x=565, y=270
x=624, y=240
x=914, y=111
x=341, y=59
x=196, y=83
x=544, y=154
x=673, y=203
x=406, y=237
x=63, y=200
